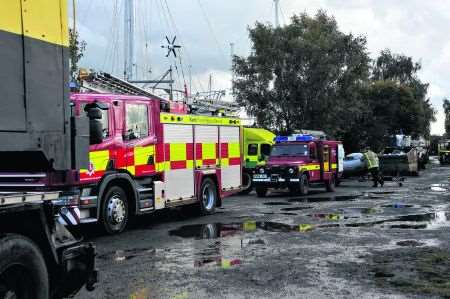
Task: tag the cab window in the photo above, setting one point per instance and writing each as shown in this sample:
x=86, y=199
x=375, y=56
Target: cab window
x=252, y=149
x=265, y=149
x=313, y=152
x=104, y=120
x=136, y=121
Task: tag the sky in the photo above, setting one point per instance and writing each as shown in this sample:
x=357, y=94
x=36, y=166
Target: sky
x=206, y=28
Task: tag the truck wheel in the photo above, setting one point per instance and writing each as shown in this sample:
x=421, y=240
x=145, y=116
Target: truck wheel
x=208, y=197
x=304, y=185
x=261, y=191
x=247, y=184
x=23, y=273
x=331, y=184
x=115, y=212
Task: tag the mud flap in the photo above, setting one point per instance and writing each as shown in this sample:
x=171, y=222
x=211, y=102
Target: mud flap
x=69, y=216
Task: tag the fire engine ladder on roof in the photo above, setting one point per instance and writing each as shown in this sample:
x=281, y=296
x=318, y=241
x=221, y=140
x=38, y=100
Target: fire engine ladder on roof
x=101, y=82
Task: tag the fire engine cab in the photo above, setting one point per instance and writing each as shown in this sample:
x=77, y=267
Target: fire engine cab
x=297, y=161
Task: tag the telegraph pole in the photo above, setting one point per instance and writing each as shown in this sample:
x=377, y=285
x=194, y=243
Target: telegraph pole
x=129, y=40
x=277, y=11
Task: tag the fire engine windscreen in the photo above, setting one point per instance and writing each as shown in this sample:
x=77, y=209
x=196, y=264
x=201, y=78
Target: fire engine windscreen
x=290, y=150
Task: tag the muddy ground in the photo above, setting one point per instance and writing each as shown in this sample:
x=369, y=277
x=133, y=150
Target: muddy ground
x=360, y=242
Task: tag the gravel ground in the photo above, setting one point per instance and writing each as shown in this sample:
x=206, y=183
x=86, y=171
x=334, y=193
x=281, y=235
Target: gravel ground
x=359, y=242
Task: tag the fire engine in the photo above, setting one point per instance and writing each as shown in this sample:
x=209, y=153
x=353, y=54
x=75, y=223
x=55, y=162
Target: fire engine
x=147, y=154
x=299, y=160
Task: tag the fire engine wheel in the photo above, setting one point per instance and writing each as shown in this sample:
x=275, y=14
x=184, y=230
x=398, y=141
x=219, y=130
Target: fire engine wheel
x=331, y=184
x=208, y=197
x=247, y=183
x=23, y=273
x=304, y=185
x=115, y=212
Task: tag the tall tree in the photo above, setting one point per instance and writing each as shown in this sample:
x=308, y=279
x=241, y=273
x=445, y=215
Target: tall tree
x=403, y=71
x=305, y=75
x=76, y=52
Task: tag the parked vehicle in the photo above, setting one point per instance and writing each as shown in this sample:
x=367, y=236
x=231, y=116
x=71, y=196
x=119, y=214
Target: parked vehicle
x=42, y=146
x=257, y=146
x=297, y=161
x=400, y=157
x=39, y=258
x=444, y=151
x=144, y=159
x=354, y=165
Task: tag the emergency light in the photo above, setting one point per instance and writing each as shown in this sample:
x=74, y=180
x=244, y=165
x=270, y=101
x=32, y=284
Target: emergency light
x=295, y=137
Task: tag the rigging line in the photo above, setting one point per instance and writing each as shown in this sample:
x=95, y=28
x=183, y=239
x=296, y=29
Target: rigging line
x=116, y=38
x=177, y=32
x=283, y=18
x=208, y=22
x=185, y=48
x=109, y=50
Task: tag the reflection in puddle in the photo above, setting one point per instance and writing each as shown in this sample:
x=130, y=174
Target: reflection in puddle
x=296, y=209
x=398, y=206
x=328, y=198
x=277, y=203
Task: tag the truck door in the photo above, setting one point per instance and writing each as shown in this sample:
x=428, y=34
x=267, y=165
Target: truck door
x=326, y=158
x=139, y=140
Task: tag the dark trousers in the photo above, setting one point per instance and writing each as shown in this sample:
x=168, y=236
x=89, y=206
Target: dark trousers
x=376, y=177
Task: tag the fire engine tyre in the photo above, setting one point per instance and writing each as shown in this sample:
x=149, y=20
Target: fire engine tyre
x=331, y=184
x=115, y=212
x=304, y=185
x=208, y=197
x=261, y=191
x=247, y=184
x=23, y=273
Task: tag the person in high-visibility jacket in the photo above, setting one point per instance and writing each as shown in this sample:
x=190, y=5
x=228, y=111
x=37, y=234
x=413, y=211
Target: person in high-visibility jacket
x=373, y=165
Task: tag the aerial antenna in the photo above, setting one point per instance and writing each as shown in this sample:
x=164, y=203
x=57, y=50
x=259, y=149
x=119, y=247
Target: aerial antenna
x=171, y=46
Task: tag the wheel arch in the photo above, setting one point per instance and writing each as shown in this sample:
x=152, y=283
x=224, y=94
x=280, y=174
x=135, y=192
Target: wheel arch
x=126, y=182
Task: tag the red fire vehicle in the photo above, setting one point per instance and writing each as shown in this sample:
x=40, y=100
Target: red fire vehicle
x=298, y=161
x=144, y=159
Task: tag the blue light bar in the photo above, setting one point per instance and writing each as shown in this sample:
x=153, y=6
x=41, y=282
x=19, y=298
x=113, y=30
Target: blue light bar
x=293, y=138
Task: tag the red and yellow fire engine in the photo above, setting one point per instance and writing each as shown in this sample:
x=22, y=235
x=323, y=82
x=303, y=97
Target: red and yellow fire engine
x=148, y=154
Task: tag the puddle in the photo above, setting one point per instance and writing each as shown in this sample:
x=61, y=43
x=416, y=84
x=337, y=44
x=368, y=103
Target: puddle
x=277, y=203
x=128, y=254
x=322, y=198
x=296, y=209
x=398, y=206
x=435, y=188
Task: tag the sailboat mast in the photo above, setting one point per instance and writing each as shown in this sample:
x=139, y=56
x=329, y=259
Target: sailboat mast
x=129, y=40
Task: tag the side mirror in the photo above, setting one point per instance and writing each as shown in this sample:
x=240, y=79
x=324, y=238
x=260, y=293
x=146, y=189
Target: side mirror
x=95, y=125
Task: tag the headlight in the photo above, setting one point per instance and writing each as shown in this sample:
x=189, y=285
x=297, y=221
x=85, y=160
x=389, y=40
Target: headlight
x=291, y=170
x=261, y=170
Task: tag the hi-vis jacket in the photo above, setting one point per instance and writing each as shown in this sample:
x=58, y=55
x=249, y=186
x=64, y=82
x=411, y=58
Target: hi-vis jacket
x=371, y=160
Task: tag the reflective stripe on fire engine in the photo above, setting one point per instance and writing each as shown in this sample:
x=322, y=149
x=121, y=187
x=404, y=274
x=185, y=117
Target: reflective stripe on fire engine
x=165, y=157
x=167, y=118
x=310, y=167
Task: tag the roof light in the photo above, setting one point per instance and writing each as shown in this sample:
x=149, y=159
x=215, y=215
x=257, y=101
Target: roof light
x=295, y=137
